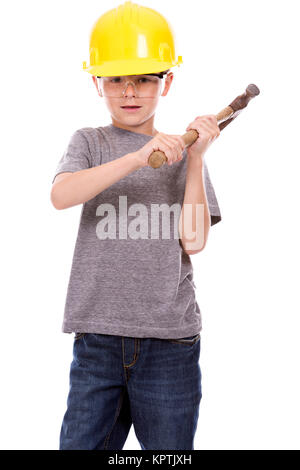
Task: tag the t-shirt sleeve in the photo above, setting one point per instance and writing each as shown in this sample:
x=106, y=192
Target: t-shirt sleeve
x=76, y=156
x=215, y=213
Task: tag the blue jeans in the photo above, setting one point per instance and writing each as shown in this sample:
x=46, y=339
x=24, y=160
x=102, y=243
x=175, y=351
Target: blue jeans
x=118, y=380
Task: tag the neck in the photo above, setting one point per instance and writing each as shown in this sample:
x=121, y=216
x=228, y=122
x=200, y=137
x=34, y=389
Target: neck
x=144, y=128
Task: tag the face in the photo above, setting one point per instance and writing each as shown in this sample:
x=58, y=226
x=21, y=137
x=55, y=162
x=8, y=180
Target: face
x=142, y=114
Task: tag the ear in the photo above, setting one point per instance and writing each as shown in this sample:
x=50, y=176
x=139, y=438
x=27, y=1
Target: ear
x=168, y=81
x=96, y=85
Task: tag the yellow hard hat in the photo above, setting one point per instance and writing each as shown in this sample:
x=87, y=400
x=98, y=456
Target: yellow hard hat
x=131, y=40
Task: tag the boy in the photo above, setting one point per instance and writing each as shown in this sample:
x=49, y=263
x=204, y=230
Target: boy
x=131, y=295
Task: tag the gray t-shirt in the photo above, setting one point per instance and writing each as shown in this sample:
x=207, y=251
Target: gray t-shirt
x=134, y=281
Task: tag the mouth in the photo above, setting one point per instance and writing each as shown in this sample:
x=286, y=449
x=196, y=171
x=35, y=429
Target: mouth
x=131, y=107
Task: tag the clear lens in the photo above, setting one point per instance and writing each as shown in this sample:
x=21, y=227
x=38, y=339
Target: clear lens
x=139, y=86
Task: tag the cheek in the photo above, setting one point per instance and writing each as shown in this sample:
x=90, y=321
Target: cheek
x=113, y=106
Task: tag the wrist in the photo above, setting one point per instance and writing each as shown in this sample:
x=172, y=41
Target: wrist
x=136, y=160
x=139, y=159
x=196, y=158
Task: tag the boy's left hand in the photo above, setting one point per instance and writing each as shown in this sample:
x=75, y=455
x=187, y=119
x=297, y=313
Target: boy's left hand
x=208, y=129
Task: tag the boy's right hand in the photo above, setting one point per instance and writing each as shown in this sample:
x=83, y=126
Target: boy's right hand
x=171, y=145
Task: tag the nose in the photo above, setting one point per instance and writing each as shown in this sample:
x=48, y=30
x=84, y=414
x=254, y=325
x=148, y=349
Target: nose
x=131, y=87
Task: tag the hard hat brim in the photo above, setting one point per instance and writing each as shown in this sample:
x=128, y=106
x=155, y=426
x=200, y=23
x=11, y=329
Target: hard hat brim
x=130, y=67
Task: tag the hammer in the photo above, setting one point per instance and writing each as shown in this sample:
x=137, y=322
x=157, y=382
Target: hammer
x=224, y=117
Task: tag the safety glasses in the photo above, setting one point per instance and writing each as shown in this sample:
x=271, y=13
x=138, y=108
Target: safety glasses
x=139, y=86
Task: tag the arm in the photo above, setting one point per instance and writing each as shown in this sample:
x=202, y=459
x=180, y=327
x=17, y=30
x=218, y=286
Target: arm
x=194, y=221
x=195, y=218
x=70, y=189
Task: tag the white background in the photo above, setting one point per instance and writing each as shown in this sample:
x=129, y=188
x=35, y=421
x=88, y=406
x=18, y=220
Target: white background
x=247, y=276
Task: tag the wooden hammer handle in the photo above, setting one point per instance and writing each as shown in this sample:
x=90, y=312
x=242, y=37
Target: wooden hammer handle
x=224, y=117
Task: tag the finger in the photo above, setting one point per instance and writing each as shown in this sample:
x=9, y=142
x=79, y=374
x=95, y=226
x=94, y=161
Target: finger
x=172, y=146
x=194, y=126
x=166, y=147
x=212, y=122
x=206, y=125
x=181, y=146
x=179, y=138
x=212, y=119
x=215, y=132
x=206, y=131
x=166, y=150
x=178, y=146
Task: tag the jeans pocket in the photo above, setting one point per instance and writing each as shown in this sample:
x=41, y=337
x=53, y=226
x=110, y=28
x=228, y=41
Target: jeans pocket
x=188, y=341
x=78, y=336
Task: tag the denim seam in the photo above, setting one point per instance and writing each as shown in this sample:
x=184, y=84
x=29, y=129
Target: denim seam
x=135, y=355
x=115, y=420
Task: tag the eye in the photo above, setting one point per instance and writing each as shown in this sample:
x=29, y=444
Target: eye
x=116, y=78
x=144, y=78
